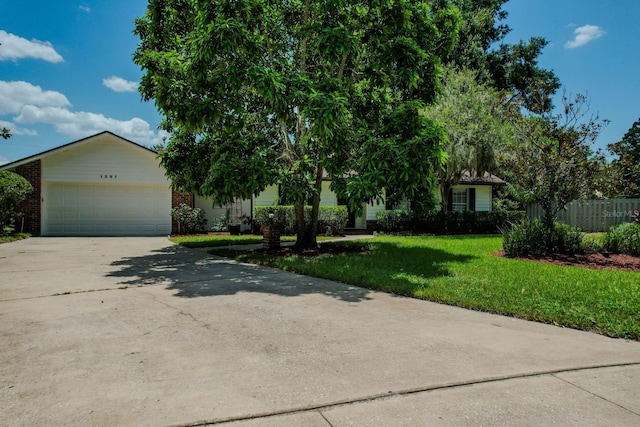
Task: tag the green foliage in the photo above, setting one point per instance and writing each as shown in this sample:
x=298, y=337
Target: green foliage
x=531, y=237
x=13, y=190
x=623, y=174
x=220, y=224
x=511, y=68
x=395, y=220
x=623, y=239
x=191, y=220
x=468, y=222
x=6, y=133
x=257, y=93
x=593, y=243
x=331, y=219
x=551, y=162
x=464, y=271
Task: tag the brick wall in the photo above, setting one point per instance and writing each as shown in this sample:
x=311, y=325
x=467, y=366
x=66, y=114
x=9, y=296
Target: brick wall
x=177, y=198
x=31, y=208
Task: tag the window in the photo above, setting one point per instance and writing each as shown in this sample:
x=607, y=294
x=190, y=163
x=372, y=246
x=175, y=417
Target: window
x=459, y=200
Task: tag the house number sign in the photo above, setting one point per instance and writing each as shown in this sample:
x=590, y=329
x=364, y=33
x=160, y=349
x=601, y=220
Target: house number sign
x=107, y=176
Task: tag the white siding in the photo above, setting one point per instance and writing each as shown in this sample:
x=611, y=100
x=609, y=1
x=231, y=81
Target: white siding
x=327, y=197
x=483, y=198
x=104, y=159
x=372, y=209
x=269, y=197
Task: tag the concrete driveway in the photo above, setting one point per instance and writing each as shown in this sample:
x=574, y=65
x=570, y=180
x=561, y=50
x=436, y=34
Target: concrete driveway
x=138, y=331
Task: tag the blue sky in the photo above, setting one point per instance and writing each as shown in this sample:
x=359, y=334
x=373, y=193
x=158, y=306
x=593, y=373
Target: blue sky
x=66, y=70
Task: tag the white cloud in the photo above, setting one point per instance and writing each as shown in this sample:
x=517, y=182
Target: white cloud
x=15, y=130
x=81, y=124
x=84, y=8
x=584, y=35
x=15, y=95
x=118, y=84
x=15, y=47
x=3, y=160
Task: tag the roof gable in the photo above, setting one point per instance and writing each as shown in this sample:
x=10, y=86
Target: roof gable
x=73, y=145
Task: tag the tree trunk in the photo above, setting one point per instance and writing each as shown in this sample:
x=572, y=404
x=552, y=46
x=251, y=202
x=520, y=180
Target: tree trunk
x=445, y=191
x=307, y=237
x=549, y=219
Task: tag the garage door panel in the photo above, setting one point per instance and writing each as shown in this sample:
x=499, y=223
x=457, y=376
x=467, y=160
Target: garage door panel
x=106, y=209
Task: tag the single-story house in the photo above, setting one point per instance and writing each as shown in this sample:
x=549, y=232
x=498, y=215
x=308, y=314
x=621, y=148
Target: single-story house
x=106, y=185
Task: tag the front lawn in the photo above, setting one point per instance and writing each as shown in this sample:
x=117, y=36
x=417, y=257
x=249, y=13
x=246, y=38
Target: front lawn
x=462, y=271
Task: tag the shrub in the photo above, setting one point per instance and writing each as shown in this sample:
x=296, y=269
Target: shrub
x=593, y=243
x=530, y=237
x=190, y=220
x=220, y=224
x=469, y=222
x=395, y=220
x=331, y=219
x=13, y=190
x=623, y=239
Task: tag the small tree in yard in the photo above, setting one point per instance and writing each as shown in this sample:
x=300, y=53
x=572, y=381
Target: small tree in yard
x=551, y=161
x=257, y=93
x=13, y=190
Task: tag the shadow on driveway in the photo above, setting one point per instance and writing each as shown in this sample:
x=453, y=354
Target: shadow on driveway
x=193, y=273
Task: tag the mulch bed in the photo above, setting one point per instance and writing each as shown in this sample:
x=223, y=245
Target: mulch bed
x=591, y=261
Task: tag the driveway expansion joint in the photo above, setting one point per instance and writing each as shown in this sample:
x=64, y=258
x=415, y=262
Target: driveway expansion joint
x=596, y=395
x=408, y=392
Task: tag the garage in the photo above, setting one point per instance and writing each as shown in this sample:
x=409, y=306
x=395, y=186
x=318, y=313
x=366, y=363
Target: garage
x=74, y=209
x=102, y=185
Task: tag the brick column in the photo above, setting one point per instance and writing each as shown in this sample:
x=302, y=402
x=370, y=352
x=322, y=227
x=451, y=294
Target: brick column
x=270, y=237
x=177, y=198
x=31, y=207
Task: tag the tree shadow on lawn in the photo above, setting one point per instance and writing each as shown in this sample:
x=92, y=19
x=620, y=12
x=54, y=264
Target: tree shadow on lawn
x=392, y=267
x=194, y=273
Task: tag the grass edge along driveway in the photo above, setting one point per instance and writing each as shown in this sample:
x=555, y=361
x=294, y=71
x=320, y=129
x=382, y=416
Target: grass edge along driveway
x=462, y=271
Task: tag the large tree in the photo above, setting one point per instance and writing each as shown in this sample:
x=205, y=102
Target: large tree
x=261, y=92
x=551, y=160
x=510, y=67
x=474, y=117
x=624, y=171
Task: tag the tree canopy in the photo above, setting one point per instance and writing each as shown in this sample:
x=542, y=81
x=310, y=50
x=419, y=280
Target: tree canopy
x=624, y=170
x=258, y=92
x=512, y=68
x=476, y=124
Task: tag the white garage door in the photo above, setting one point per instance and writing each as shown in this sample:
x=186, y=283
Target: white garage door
x=73, y=209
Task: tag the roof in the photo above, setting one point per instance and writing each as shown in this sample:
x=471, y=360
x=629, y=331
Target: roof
x=65, y=147
x=486, y=179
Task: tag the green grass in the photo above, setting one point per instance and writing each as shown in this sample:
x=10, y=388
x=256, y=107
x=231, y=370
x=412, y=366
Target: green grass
x=14, y=237
x=214, y=240
x=462, y=271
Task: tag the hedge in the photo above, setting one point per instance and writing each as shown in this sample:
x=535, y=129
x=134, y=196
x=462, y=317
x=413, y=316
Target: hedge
x=467, y=222
x=331, y=219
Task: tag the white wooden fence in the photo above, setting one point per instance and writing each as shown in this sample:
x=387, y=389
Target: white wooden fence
x=593, y=215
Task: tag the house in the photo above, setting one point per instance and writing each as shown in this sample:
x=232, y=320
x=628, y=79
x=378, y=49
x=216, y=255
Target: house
x=102, y=185
x=106, y=185
x=471, y=194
